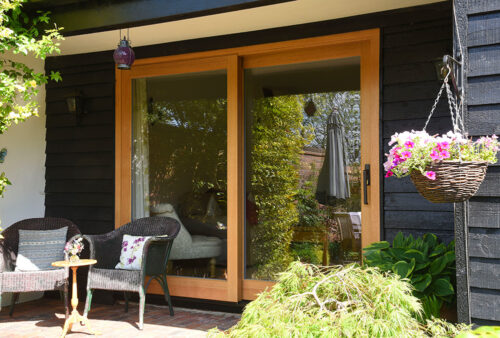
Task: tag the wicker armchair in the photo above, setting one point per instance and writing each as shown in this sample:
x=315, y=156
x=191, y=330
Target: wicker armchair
x=106, y=249
x=28, y=281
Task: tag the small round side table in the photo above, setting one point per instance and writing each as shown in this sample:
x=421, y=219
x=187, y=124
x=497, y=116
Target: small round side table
x=75, y=317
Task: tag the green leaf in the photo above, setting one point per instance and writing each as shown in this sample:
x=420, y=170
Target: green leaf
x=437, y=265
x=397, y=253
x=431, y=240
x=55, y=76
x=438, y=250
x=413, y=253
x=377, y=246
x=451, y=246
x=431, y=306
x=423, y=283
x=442, y=287
x=398, y=241
x=403, y=269
x=450, y=257
x=421, y=266
x=425, y=248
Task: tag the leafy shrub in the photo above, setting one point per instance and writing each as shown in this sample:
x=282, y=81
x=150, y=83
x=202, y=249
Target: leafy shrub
x=309, y=301
x=307, y=252
x=483, y=331
x=427, y=264
x=308, y=208
x=276, y=144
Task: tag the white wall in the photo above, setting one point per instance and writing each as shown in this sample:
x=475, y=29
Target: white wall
x=25, y=168
x=25, y=163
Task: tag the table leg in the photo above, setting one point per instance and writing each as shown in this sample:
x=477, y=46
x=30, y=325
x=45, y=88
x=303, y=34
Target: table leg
x=75, y=317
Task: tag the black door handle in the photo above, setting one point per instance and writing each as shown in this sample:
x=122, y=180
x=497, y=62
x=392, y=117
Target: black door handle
x=366, y=182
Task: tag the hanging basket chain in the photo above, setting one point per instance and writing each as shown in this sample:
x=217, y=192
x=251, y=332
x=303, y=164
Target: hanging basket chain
x=436, y=101
x=453, y=105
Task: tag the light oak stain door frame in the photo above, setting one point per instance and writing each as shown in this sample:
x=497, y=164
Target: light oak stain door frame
x=364, y=44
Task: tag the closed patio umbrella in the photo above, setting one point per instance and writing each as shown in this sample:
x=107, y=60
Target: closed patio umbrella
x=333, y=178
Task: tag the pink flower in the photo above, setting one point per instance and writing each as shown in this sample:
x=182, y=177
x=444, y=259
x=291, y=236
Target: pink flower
x=430, y=175
x=409, y=144
x=435, y=155
x=394, y=151
x=406, y=154
x=389, y=174
x=444, y=154
x=444, y=145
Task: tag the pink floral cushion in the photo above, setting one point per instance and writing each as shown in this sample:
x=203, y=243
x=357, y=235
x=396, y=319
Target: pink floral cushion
x=131, y=254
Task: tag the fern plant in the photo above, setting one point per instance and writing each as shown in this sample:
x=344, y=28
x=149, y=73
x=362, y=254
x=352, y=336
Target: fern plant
x=425, y=262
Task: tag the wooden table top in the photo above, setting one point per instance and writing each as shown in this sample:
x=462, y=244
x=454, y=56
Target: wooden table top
x=81, y=262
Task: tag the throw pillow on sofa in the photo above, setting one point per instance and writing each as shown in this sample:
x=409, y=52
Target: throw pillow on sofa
x=39, y=248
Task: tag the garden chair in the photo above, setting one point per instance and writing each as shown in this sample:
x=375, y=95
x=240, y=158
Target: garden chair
x=189, y=246
x=30, y=281
x=106, y=249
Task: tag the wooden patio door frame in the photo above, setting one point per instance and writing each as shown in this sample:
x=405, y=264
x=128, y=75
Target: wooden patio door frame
x=363, y=44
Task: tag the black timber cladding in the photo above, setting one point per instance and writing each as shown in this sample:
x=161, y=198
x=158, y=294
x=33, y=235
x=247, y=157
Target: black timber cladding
x=80, y=157
x=412, y=39
x=482, y=45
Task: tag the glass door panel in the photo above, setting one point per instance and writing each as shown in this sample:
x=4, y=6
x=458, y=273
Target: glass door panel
x=179, y=165
x=302, y=164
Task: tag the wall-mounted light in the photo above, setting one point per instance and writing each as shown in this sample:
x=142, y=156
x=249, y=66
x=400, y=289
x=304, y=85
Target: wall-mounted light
x=124, y=55
x=76, y=105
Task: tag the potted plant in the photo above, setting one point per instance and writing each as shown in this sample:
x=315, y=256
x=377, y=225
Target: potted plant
x=444, y=168
x=73, y=248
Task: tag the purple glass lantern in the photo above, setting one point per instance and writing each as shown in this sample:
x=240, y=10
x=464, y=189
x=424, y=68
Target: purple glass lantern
x=124, y=55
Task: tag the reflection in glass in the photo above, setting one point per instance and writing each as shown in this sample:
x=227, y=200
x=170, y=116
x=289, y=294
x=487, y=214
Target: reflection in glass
x=179, y=165
x=302, y=135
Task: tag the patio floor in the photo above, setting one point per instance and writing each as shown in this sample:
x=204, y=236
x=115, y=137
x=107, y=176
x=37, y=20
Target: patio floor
x=45, y=318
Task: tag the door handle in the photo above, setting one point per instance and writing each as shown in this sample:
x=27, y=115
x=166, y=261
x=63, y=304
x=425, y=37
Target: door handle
x=366, y=182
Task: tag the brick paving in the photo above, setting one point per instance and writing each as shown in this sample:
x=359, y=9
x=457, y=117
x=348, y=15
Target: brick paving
x=45, y=318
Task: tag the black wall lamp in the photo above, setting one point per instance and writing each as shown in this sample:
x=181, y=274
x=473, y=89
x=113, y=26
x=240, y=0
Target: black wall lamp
x=76, y=105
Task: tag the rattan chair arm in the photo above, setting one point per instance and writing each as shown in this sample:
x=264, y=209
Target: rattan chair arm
x=165, y=242
x=6, y=259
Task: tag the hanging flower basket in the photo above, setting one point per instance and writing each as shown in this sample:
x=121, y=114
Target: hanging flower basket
x=447, y=168
x=455, y=181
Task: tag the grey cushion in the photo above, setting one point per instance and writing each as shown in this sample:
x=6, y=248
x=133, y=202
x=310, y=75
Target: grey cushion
x=39, y=248
x=186, y=246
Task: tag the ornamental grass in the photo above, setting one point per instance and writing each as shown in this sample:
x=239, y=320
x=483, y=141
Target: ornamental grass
x=351, y=301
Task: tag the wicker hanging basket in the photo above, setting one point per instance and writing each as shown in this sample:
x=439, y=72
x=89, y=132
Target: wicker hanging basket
x=455, y=181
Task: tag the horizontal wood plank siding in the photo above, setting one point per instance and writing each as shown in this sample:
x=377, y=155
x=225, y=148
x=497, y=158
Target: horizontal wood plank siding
x=484, y=273
x=80, y=156
x=485, y=304
x=484, y=213
x=409, y=87
x=483, y=95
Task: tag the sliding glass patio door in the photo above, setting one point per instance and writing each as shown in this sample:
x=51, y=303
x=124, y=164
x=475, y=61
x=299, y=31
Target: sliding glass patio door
x=260, y=152
x=303, y=165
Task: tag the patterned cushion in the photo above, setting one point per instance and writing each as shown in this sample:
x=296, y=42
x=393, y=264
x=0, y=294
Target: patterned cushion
x=131, y=254
x=39, y=248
